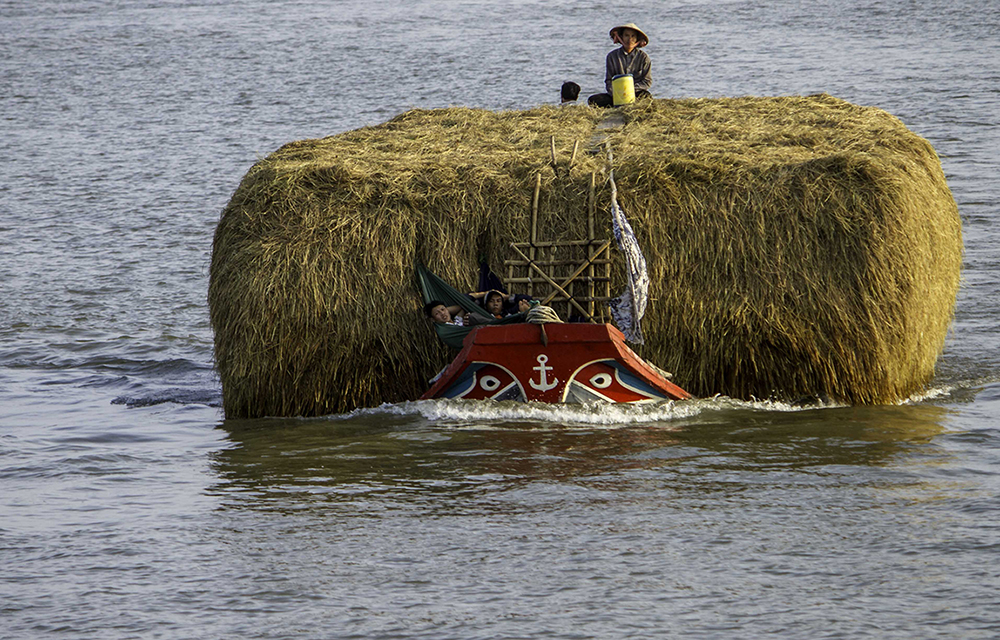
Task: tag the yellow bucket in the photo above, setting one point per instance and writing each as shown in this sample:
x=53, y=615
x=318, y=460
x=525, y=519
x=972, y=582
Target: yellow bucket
x=623, y=89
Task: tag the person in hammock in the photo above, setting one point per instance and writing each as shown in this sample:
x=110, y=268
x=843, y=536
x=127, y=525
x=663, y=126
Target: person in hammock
x=492, y=301
x=454, y=315
x=501, y=306
x=441, y=313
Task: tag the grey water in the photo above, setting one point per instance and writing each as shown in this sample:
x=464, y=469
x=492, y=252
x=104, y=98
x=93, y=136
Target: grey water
x=131, y=508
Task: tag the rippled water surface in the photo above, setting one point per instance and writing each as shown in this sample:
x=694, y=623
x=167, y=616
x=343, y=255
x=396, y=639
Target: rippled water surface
x=131, y=509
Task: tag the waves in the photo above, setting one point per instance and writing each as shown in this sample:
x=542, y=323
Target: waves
x=96, y=379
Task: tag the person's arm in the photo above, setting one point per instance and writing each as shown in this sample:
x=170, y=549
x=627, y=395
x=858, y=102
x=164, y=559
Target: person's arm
x=642, y=77
x=611, y=69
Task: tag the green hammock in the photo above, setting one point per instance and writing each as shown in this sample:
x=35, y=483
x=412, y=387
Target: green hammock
x=434, y=288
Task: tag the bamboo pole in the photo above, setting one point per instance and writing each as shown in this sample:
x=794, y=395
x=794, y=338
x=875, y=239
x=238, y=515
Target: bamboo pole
x=551, y=282
x=591, y=196
x=524, y=280
x=579, y=270
x=534, y=228
x=550, y=243
x=559, y=263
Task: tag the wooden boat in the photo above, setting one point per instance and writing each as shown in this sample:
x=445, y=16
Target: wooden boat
x=554, y=363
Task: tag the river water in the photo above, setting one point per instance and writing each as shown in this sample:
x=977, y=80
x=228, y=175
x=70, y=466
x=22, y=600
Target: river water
x=130, y=508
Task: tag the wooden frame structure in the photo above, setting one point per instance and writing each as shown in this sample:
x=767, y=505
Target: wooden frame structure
x=574, y=273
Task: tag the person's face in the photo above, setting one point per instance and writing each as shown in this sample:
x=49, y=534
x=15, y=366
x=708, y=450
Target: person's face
x=628, y=38
x=494, y=304
x=523, y=305
x=441, y=314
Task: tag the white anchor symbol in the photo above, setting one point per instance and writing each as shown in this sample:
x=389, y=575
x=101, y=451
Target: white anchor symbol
x=543, y=384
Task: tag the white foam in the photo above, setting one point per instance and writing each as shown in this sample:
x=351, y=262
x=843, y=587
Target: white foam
x=929, y=394
x=481, y=414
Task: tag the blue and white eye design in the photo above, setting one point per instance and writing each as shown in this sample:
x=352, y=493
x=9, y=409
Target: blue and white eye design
x=608, y=381
x=489, y=383
x=602, y=380
x=485, y=380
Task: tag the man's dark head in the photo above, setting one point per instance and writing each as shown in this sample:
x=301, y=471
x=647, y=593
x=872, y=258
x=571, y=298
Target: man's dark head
x=570, y=91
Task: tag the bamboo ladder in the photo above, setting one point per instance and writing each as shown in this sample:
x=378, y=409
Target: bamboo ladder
x=573, y=276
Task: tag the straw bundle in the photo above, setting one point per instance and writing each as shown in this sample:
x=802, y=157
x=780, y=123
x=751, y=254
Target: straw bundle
x=797, y=247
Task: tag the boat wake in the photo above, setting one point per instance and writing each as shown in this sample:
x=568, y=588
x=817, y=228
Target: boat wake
x=486, y=414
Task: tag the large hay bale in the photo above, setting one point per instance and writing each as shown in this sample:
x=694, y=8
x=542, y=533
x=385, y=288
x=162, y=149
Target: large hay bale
x=798, y=247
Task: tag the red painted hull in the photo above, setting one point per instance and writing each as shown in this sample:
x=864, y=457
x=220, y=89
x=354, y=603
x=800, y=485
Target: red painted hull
x=569, y=363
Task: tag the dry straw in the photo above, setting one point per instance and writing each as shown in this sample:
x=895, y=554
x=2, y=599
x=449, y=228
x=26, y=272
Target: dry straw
x=797, y=246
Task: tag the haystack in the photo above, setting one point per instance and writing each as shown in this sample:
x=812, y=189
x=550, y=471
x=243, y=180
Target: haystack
x=797, y=247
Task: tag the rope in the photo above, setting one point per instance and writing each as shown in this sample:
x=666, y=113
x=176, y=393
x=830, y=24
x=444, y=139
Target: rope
x=540, y=314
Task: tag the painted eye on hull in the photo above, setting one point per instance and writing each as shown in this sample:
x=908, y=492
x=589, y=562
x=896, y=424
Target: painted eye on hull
x=484, y=381
x=602, y=380
x=606, y=380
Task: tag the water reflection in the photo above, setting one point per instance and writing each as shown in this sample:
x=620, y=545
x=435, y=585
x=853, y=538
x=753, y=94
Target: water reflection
x=373, y=462
x=820, y=436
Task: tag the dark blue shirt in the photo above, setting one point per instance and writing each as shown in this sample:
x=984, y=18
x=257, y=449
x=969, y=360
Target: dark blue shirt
x=636, y=63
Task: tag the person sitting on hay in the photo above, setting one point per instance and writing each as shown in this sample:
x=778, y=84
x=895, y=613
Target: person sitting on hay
x=569, y=93
x=628, y=59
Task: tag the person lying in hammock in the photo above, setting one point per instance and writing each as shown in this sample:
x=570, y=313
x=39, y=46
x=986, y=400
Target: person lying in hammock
x=444, y=303
x=443, y=314
x=455, y=315
x=499, y=305
x=492, y=301
x=521, y=303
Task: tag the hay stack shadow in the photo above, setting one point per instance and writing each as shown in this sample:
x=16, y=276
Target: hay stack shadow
x=797, y=247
